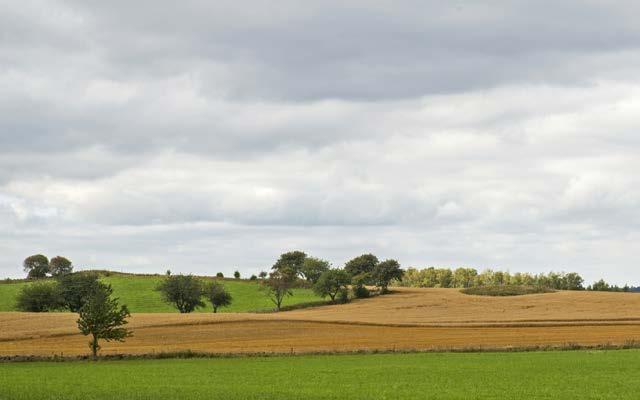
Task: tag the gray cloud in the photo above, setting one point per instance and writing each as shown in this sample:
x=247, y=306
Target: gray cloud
x=494, y=135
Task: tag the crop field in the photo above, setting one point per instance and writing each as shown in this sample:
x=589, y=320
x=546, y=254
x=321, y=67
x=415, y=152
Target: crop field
x=539, y=375
x=137, y=292
x=410, y=319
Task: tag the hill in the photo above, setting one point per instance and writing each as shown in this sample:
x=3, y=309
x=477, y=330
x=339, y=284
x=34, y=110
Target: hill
x=139, y=294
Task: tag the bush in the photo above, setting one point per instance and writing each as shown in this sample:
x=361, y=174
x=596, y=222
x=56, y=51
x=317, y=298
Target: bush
x=40, y=297
x=361, y=292
x=343, y=296
x=77, y=287
x=506, y=290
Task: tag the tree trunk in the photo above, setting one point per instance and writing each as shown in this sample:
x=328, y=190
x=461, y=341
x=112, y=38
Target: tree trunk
x=94, y=347
x=215, y=309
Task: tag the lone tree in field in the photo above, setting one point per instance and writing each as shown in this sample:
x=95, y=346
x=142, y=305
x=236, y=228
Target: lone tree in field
x=59, y=266
x=383, y=273
x=313, y=267
x=331, y=282
x=236, y=274
x=291, y=261
x=218, y=296
x=183, y=291
x=102, y=318
x=361, y=265
x=36, y=266
x=279, y=285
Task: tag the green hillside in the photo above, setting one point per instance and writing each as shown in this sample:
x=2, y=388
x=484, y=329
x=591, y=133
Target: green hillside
x=137, y=292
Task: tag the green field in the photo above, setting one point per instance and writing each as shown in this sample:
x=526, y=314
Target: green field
x=540, y=375
x=137, y=292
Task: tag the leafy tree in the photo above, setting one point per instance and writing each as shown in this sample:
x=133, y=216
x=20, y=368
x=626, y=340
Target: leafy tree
x=263, y=274
x=183, y=291
x=59, y=266
x=253, y=277
x=363, y=264
x=291, y=261
x=40, y=297
x=218, y=295
x=76, y=287
x=36, y=266
x=102, y=318
x=236, y=274
x=313, y=267
x=279, y=285
x=386, y=271
x=358, y=283
x=573, y=281
x=331, y=282
x=219, y=275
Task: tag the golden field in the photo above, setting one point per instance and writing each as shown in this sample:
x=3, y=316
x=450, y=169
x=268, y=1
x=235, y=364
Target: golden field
x=408, y=319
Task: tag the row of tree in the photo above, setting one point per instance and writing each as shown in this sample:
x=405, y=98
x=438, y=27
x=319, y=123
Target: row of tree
x=38, y=266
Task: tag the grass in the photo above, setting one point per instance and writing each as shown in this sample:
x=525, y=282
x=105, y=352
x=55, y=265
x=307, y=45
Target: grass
x=506, y=290
x=138, y=293
x=536, y=375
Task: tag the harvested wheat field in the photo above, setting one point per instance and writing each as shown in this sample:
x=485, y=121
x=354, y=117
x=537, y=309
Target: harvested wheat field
x=408, y=319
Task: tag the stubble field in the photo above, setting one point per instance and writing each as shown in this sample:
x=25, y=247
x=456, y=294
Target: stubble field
x=410, y=319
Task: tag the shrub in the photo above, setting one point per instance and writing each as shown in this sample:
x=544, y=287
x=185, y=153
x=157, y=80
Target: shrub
x=343, y=296
x=40, y=297
x=506, y=290
x=361, y=292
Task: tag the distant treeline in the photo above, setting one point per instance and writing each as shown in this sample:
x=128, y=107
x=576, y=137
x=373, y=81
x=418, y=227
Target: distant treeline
x=469, y=277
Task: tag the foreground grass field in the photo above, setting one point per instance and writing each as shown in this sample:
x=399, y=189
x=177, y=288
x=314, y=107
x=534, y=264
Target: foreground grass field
x=137, y=292
x=539, y=375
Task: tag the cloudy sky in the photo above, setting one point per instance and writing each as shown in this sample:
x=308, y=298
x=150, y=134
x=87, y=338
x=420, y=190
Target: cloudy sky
x=207, y=136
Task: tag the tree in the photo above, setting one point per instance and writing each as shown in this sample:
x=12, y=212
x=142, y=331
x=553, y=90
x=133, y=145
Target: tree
x=236, y=274
x=36, y=266
x=218, y=295
x=183, y=291
x=219, y=275
x=331, y=282
x=363, y=264
x=573, y=281
x=386, y=271
x=77, y=287
x=40, y=297
x=59, y=266
x=253, y=277
x=263, y=274
x=313, y=267
x=292, y=261
x=279, y=285
x=102, y=318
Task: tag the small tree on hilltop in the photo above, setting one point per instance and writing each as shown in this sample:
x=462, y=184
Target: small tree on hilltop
x=361, y=265
x=313, y=267
x=331, y=282
x=291, y=261
x=102, y=318
x=36, y=266
x=384, y=272
x=183, y=291
x=218, y=296
x=59, y=266
x=279, y=285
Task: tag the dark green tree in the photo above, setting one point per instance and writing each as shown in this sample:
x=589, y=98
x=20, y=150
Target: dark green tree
x=279, y=285
x=59, y=266
x=102, y=318
x=331, y=282
x=263, y=274
x=40, y=297
x=36, y=266
x=291, y=261
x=183, y=291
x=360, y=265
x=313, y=267
x=218, y=295
x=384, y=272
x=236, y=274
x=76, y=287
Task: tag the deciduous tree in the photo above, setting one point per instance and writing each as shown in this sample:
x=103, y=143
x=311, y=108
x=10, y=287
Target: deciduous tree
x=183, y=291
x=36, y=266
x=218, y=295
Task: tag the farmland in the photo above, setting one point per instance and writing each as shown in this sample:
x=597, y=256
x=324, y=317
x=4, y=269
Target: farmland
x=139, y=294
x=420, y=319
x=566, y=375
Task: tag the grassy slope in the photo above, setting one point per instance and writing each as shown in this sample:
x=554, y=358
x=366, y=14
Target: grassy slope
x=545, y=375
x=137, y=292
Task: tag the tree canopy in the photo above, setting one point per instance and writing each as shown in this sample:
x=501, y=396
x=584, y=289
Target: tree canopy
x=363, y=264
x=59, y=266
x=36, y=266
x=331, y=282
x=218, y=295
x=183, y=291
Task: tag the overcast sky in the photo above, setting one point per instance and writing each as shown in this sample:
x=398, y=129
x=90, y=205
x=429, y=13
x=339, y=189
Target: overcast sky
x=205, y=136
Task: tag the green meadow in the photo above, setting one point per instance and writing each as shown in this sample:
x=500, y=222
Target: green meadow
x=534, y=375
x=139, y=294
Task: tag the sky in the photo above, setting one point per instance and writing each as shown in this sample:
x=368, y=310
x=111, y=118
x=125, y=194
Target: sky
x=204, y=136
